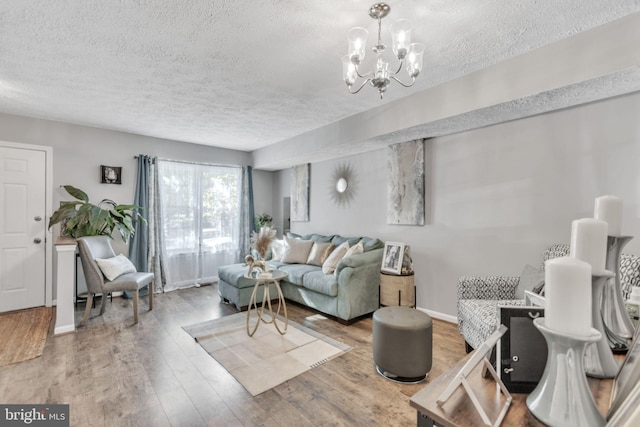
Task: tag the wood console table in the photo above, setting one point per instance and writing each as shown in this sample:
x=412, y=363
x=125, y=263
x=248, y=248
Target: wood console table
x=459, y=411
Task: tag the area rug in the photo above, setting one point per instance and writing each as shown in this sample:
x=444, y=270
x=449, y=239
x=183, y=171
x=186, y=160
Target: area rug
x=267, y=359
x=24, y=334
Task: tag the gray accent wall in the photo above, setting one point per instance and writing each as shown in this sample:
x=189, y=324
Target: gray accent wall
x=495, y=197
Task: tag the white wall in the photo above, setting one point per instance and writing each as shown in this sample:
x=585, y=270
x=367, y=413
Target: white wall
x=78, y=152
x=495, y=196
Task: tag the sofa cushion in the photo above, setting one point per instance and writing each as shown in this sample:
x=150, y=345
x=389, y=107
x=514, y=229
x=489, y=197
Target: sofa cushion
x=371, y=243
x=318, y=238
x=322, y=283
x=275, y=265
x=297, y=271
x=479, y=318
x=531, y=279
x=319, y=253
x=338, y=240
x=629, y=273
x=356, y=249
x=277, y=249
x=334, y=258
x=234, y=274
x=296, y=250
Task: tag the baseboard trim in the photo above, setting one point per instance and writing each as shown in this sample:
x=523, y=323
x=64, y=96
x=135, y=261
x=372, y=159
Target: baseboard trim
x=440, y=316
x=66, y=329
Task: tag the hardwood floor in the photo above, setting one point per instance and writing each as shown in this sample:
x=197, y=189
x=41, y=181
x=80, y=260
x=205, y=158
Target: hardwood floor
x=112, y=373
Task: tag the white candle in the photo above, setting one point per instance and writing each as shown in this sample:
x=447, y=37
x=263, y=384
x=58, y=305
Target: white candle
x=568, y=296
x=609, y=209
x=589, y=242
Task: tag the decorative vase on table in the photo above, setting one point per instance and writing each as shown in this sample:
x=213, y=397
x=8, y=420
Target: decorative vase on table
x=260, y=243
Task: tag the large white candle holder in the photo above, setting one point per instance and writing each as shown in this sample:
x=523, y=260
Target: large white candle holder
x=562, y=397
x=598, y=358
x=618, y=325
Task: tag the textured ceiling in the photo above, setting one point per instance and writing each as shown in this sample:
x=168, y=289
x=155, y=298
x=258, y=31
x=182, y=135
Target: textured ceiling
x=246, y=74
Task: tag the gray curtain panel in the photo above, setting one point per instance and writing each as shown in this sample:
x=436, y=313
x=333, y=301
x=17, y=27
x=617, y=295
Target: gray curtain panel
x=247, y=213
x=139, y=245
x=143, y=249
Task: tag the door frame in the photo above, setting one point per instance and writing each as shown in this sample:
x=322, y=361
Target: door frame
x=48, y=242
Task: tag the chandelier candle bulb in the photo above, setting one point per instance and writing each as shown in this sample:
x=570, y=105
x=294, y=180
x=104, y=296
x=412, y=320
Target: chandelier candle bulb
x=357, y=43
x=589, y=242
x=568, y=296
x=609, y=209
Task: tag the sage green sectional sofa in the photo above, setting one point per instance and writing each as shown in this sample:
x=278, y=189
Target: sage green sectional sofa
x=348, y=293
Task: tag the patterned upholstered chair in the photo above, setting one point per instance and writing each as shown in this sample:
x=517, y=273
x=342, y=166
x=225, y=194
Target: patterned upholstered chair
x=478, y=297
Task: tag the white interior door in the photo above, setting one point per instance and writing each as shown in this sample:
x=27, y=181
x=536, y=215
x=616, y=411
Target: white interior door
x=22, y=228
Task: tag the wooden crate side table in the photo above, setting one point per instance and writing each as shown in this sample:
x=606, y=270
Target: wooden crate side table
x=397, y=290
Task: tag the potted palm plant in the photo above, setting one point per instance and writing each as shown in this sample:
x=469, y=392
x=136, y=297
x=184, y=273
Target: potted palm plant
x=86, y=219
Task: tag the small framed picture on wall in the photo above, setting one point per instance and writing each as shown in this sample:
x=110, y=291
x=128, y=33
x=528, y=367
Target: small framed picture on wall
x=392, y=257
x=111, y=174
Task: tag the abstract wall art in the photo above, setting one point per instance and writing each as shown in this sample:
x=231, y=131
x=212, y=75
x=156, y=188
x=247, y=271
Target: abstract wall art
x=300, y=181
x=405, y=183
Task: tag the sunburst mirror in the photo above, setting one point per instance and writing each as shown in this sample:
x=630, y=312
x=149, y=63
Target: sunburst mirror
x=342, y=185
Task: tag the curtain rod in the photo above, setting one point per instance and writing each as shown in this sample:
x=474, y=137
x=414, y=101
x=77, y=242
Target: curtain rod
x=194, y=163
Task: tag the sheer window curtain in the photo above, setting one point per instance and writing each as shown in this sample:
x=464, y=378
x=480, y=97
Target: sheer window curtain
x=156, y=252
x=201, y=220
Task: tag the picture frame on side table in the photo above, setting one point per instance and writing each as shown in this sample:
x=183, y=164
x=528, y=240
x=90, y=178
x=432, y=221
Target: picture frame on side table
x=392, y=257
x=533, y=299
x=480, y=356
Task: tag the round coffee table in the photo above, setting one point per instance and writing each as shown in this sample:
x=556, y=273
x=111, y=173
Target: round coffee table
x=275, y=278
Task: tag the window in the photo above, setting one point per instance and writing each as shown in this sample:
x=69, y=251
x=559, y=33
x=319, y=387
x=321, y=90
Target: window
x=200, y=216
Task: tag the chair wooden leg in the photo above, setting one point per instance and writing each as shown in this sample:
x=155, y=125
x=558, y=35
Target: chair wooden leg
x=151, y=296
x=87, y=310
x=103, y=303
x=135, y=307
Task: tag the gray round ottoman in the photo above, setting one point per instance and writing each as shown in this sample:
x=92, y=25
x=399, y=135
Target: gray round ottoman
x=402, y=340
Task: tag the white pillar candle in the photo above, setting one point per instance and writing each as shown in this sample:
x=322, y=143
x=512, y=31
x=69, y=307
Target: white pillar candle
x=589, y=242
x=568, y=296
x=609, y=209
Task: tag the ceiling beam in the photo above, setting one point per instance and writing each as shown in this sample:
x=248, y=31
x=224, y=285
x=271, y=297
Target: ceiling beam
x=593, y=65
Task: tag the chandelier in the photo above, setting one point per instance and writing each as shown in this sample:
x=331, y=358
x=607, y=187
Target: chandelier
x=381, y=76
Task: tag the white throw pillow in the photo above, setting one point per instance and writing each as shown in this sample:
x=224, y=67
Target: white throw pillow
x=296, y=250
x=112, y=268
x=358, y=248
x=334, y=258
x=277, y=250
